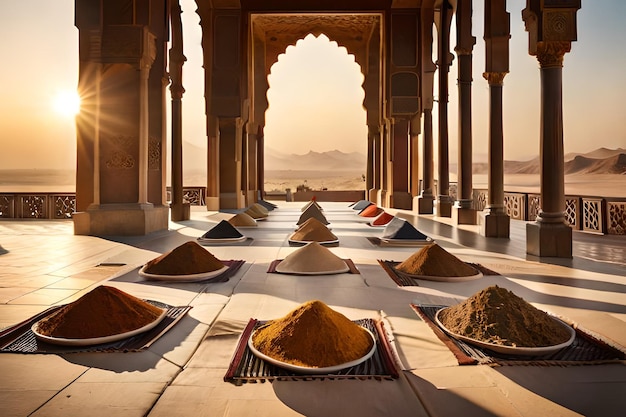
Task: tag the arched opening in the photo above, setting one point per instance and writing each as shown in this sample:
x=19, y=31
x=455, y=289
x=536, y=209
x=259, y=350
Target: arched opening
x=315, y=126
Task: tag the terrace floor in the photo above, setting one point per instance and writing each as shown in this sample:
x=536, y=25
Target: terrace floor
x=42, y=264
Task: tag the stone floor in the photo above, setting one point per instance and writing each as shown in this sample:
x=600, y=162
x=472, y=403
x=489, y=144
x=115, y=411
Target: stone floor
x=42, y=263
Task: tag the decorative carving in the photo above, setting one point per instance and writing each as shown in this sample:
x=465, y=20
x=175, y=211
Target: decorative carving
x=495, y=78
x=154, y=153
x=479, y=199
x=550, y=53
x=534, y=206
x=120, y=157
x=592, y=215
x=571, y=211
x=6, y=206
x=64, y=206
x=515, y=205
x=617, y=218
x=34, y=206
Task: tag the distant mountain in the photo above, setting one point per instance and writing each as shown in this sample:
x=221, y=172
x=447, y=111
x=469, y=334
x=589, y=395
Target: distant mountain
x=615, y=164
x=316, y=161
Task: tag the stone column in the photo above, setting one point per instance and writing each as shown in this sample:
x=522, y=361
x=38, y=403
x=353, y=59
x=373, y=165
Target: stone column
x=179, y=210
x=551, y=30
x=212, y=198
x=375, y=193
x=463, y=212
x=444, y=201
x=415, y=128
x=494, y=220
x=399, y=156
x=426, y=199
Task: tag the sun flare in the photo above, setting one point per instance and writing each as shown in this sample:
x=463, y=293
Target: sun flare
x=67, y=103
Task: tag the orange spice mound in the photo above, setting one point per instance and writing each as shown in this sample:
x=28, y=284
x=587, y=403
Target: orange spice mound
x=371, y=211
x=104, y=311
x=313, y=231
x=383, y=219
x=496, y=315
x=187, y=259
x=433, y=260
x=313, y=335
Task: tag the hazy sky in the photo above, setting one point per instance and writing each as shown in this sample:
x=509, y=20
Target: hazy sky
x=39, y=50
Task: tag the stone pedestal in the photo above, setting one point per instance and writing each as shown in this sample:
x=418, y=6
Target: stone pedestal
x=402, y=200
x=120, y=220
x=444, y=207
x=549, y=239
x=375, y=196
x=212, y=203
x=424, y=204
x=463, y=215
x=180, y=212
x=494, y=224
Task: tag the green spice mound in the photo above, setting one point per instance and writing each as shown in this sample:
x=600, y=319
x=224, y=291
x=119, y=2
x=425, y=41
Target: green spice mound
x=496, y=315
x=313, y=335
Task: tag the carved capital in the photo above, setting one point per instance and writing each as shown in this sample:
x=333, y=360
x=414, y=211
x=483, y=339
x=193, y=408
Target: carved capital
x=494, y=78
x=550, y=54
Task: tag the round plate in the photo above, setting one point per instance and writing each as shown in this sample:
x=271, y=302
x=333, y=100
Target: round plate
x=307, y=370
x=221, y=240
x=510, y=350
x=182, y=278
x=337, y=271
x=304, y=242
x=444, y=279
x=406, y=242
x=94, y=340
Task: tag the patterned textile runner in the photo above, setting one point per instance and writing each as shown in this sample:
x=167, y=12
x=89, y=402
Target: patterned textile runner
x=233, y=267
x=21, y=339
x=585, y=350
x=246, y=367
x=272, y=268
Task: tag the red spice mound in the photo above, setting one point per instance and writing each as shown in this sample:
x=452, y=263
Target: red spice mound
x=383, y=219
x=496, y=315
x=104, y=311
x=313, y=231
x=313, y=335
x=187, y=259
x=435, y=261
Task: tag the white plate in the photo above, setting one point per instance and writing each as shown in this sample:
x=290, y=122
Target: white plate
x=337, y=271
x=406, y=242
x=307, y=370
x=304, y=242
x=510, y=350
x=222, y=240
x=95, y=340
x=444, y=279
x=182, y=278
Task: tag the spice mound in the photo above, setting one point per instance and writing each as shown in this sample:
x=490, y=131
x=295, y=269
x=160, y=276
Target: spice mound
x=313, y=231
x=496, y=315
x=104, y=311
x=187, y=259
x=311, y=258
x=433, y=260
x=242, y=219
x=314, y=336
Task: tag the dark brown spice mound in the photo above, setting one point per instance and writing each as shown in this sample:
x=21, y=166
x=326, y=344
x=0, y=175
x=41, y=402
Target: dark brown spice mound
x=496, y=315
x=313, y=335
x=187, y=259
x=104, y=311
x=433, y=260
x=313, y=231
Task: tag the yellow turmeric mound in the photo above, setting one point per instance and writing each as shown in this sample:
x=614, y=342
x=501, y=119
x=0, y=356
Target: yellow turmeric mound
x=314, y=336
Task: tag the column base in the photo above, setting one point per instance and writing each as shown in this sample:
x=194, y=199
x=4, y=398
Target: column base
x=234, y=200
x=494, y=224
x=444, y=208
x=549, y=239
x=401, y=200
x=463, y=215
x=180, y=212
x=132, y=219
x=424, y=204
x=212, y=203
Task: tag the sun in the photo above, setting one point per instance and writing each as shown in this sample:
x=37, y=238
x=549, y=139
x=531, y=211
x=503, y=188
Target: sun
x=67, y=103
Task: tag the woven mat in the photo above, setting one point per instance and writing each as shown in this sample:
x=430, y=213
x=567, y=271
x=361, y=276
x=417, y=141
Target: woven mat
x=233, y=267
x=585, y=350
x=21, y=339
x=246, y=367
x=274, y=264
x=405, y=280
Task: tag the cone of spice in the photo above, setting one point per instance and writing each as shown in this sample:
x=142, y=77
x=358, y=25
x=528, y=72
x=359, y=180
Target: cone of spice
x=361, y=204
x=311, y=203
x=311, y=258
x=313, y=231
x=242, y=220
x=433, y=260
x=383, y=219
x=314, y=336
x=399, y=228
x=371, y=211
x=187, y=259
x=312, y=211
x=254, y=212
x=496, y=315
x=104, y=311
x=222, y=230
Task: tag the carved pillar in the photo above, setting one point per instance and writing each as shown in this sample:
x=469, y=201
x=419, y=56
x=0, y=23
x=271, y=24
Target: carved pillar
x=494, y=221
x=399, y=155
x=415, y=128
x=375, y=193
x=425, y=202
x=463, y=213
x=213, y=164
x=179, y=210
x=444, y=201
x=552, y=28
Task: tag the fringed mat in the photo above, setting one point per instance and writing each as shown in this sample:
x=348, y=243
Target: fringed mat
x=246, y=367
x=233, y=267
x=21, y=339
x=585, y=350
x=274, y=264
x=405, y=280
